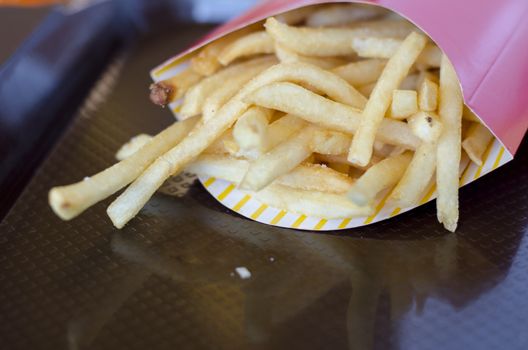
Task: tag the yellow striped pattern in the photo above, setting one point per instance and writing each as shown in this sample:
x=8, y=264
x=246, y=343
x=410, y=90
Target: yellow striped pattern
x=378, y=209
x=209, y=182
x=226, y=192
x=498, y=159
x=320, y=224
x=344, y=223
x=278, y=217
x=242, y=202
x=299, y=221
x=484, y=160
x=259, y=211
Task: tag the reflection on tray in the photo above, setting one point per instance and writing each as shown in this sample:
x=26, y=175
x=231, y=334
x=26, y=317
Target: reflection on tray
x=364, y=285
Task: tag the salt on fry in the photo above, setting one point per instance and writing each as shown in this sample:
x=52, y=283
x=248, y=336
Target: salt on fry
x=395, y=71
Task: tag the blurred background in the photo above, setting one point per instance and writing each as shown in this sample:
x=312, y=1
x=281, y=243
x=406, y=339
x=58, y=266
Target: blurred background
x=51, y=53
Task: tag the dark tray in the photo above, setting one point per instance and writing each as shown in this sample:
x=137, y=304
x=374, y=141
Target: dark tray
x=166, y=281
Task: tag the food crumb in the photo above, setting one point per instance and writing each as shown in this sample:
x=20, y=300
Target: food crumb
x=86, y=178
x=271, y=259
x=243, y=272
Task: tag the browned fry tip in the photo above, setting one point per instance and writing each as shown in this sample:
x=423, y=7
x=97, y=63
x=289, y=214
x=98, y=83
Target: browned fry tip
x=161, y=93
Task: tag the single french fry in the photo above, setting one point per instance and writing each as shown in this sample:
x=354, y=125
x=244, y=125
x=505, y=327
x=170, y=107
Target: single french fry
x=223, y=93
x=449, y=146
x=366, y=90
x=223, y=145
x=342, y=14
x=132, y=146
x=286, y=55
x=324, y=42
x=206, y=61
x=311, y=203
x=298, y=101
x=379, y=177
x=69, y=201
x=281, y=129
x=395, y=71
x=196, y=96
x=361, y=72
x=250, y=131
x=404, y=104
x=330, y=142
x=421, y=170
x=257, y=43
x=296, y=16
x=309, y=177
x=477, y=140
x=168, y=90
x=428, y=96
x=279, y=161
x=376, y=47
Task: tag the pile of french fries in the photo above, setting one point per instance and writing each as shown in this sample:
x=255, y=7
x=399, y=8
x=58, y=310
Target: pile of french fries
x=318, y=111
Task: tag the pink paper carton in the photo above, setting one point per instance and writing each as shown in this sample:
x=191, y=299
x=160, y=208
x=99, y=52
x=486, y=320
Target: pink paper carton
x=485, y=41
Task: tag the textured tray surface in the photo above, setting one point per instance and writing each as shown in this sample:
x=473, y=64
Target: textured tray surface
x=167, y=280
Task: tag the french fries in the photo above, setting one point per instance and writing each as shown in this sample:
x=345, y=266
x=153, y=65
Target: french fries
x=361, y=72
x=197, y=95
x=329, y=111
x=395, y=71
x=298, y=101
x=428, y=96
x=308, y=177
x=257, y=43
x=420, y=171
x=342, y=14
x=279, y=161
x=324, y=42
x=449, y=146
x=250, y=131
x=476, y=141
x=374, y=47
x=404, y=104
x=69, y=201
x=379, y=177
